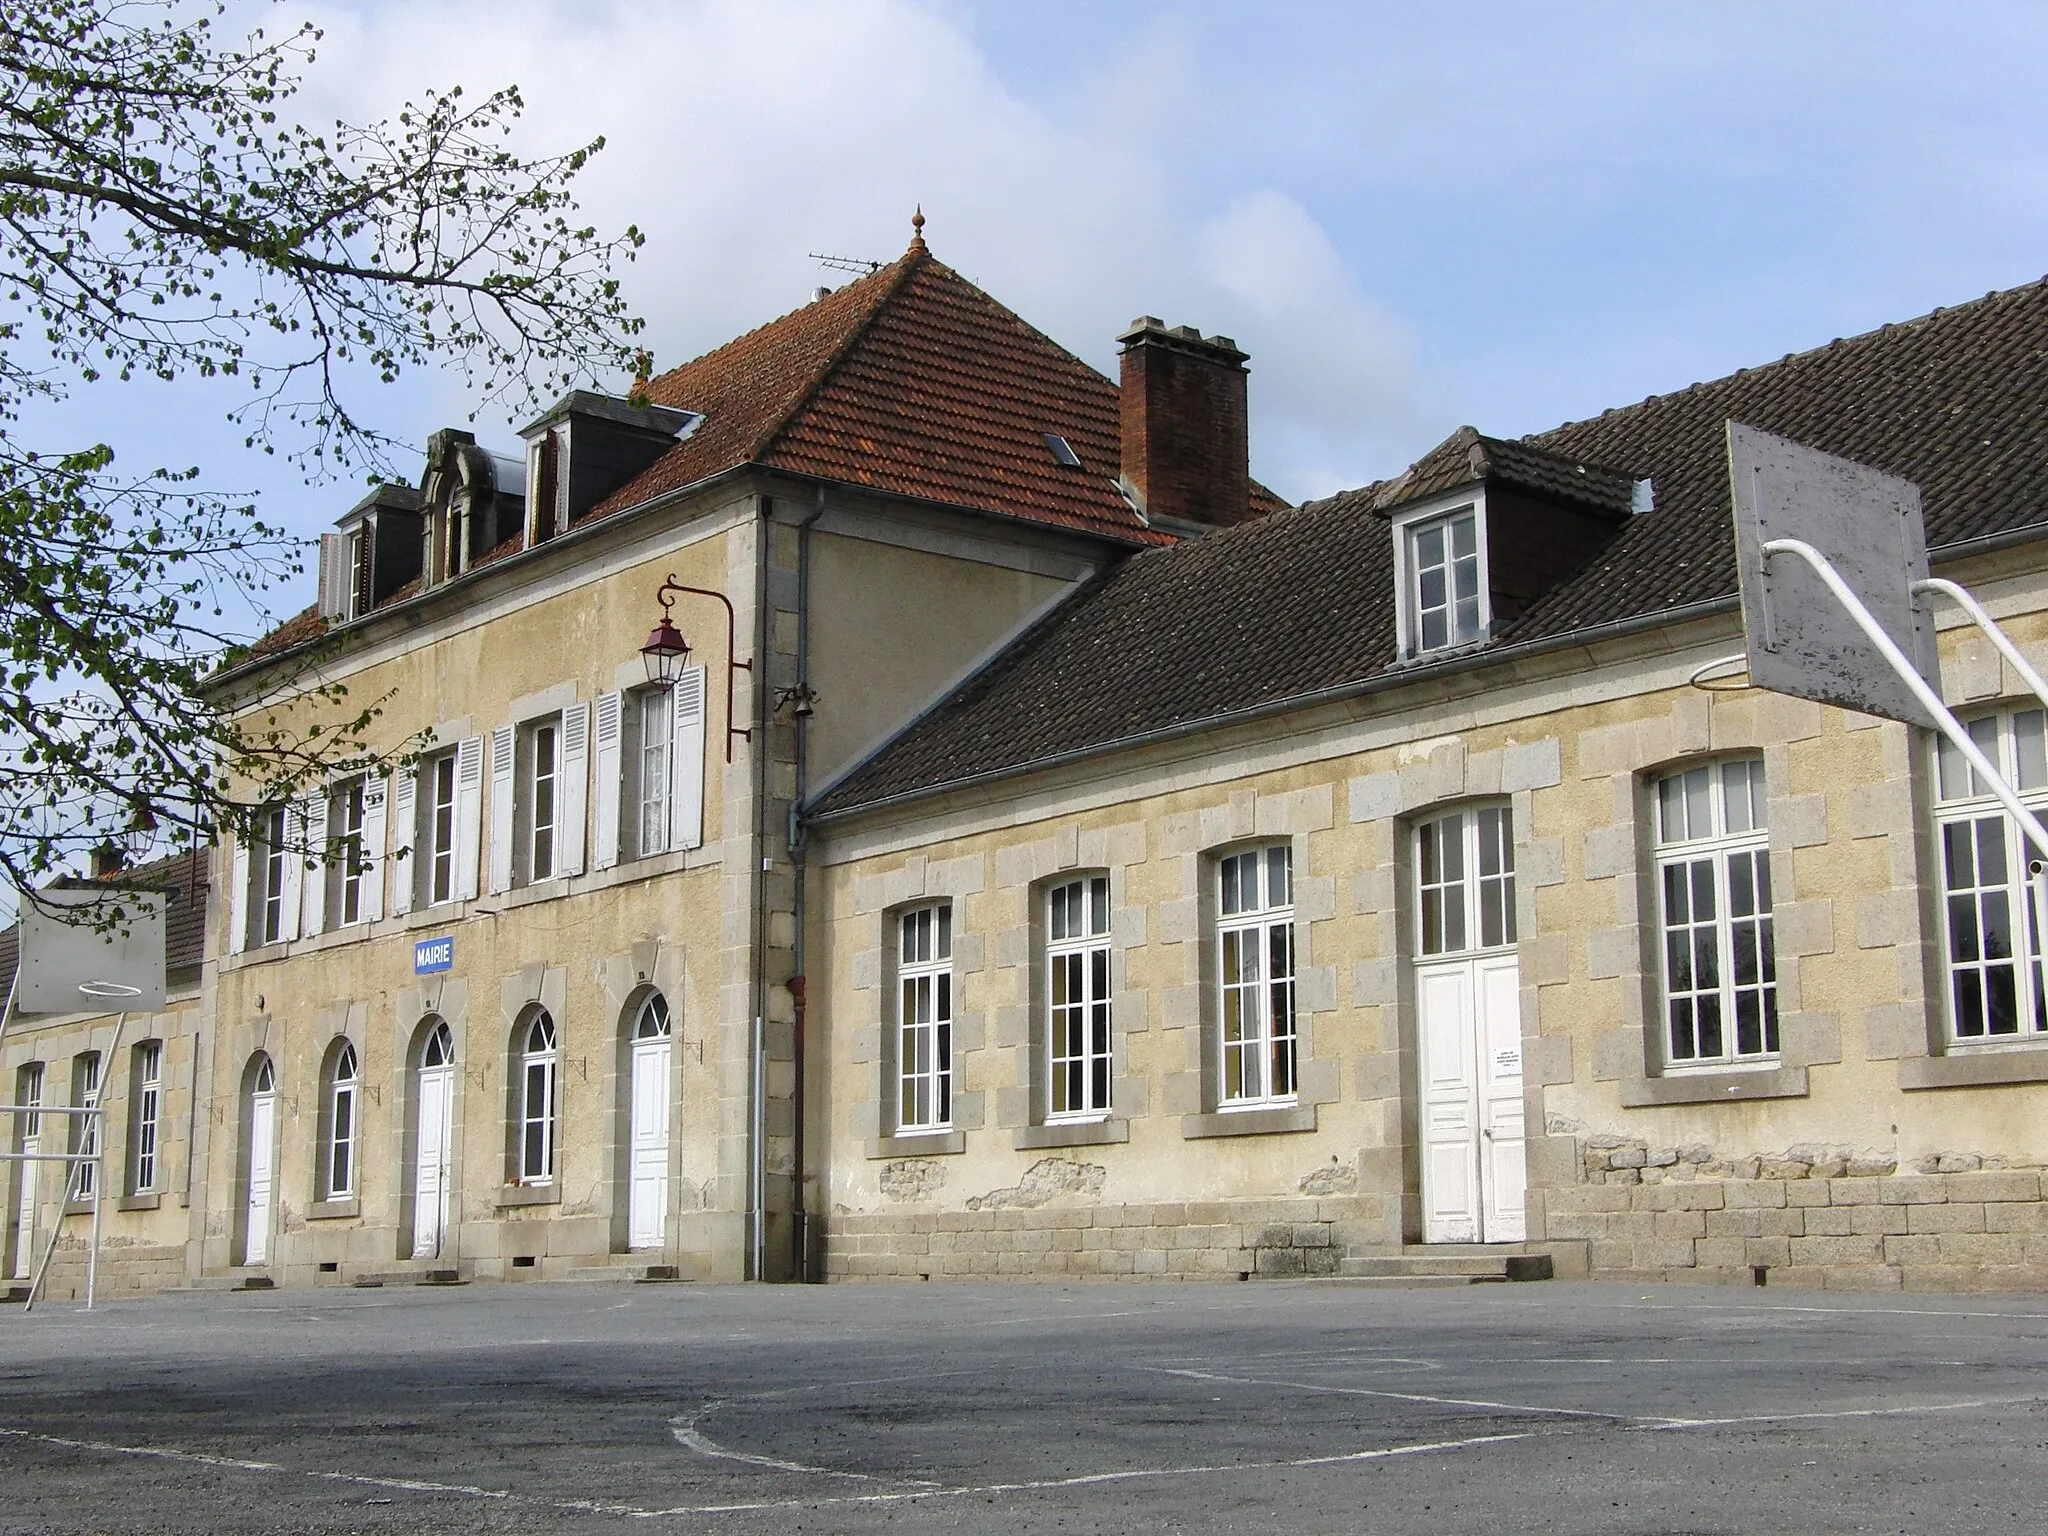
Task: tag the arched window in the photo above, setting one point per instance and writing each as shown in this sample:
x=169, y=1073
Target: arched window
x=652, y=1023
x=537, y=1062
x=439, y=1051
x=338, y=1162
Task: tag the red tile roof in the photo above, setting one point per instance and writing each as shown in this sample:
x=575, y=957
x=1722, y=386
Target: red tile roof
x=913, y=381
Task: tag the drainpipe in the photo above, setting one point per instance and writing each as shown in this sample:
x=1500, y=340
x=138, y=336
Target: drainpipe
x=757, y=1051
x=802, y=1253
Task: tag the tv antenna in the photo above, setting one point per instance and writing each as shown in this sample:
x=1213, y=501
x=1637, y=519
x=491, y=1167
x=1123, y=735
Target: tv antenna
x=846, y=263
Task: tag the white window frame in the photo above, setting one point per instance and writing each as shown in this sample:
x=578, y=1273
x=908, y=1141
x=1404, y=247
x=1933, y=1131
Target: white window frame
x=538, y=1083
x=270, y=875
x=1465, y=882
x=1712, y=835
x=148, y=1096
x=1079, y=1022
x=440, y=829
x=1408, y=528
x=538, y=800
x=652, y=768
x=338, y=1156
x=1257, y=1032
x=923, y=1087
x=87, y=1073
x=2016, y=740
x=348, y=858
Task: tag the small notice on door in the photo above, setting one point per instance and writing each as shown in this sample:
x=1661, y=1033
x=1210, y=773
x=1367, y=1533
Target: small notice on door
x=1507, y=1061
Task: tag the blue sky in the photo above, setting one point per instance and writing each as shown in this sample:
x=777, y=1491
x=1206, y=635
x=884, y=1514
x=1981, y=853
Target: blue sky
x=1411, y=216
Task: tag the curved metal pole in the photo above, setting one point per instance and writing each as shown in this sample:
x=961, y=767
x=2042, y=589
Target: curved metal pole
x=1991, y=631
x=733, y=664
x=1909, y=674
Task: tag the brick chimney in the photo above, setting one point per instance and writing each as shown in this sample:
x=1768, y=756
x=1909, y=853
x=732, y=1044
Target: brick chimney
x=108, y=860
x=1186, y=442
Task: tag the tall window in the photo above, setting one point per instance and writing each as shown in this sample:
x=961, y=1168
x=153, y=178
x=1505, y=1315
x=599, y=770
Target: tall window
x=656, y=725
x=1714, y=884
x=1077, y=996
x=270, y=914
x=1445, y=601
x=346, y=858
x=1985, y=903
x=338, y=1170
x=1255, y=946
x=1465, y=880
x=146, y=1098
x=85, y=1132
x=537, y=1060
x=924, y=1020
x=541, y=750
x=439, y=778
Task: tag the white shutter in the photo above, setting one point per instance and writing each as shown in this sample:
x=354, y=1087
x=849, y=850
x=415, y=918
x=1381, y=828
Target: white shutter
x=572, y=778
x=405, y=856
x=469, y=815
x=294, y=870
x=502, y=742
x=686, y=762
x=238, y=899
x=315, y=919
x=610, y=780
x=334, y=576
x=371, y=903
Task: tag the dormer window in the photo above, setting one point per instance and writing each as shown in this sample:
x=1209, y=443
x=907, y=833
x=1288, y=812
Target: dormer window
x=1443, y=580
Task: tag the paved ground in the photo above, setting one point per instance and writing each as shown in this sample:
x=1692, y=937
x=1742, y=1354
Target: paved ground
x=1260, y=1407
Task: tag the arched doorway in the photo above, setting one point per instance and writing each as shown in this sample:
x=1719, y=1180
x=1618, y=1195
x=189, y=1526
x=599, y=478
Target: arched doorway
x=647, y=1111
x=434, y=1095
x=261, y=1118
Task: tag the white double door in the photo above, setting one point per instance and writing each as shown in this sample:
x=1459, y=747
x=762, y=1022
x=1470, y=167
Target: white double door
x=647, y=1199
x=1474, y=1169
x=262, y=1176
x=430, y=1165
x=25, y=1215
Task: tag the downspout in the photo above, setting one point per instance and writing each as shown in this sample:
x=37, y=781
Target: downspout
x=757, y=1040
x=804, y=1253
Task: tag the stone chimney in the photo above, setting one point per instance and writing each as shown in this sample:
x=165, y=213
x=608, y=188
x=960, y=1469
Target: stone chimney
x=108, y=860
x=1186, y=442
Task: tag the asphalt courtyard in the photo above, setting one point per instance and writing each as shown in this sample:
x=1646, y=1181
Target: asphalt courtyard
x=1229, y=1407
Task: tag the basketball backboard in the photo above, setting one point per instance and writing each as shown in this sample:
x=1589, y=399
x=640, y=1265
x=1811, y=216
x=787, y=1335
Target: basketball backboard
x=1801, y=639
x=75, y=967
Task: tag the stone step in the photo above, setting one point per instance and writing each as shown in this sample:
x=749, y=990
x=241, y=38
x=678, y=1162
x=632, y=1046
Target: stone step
x=1471, y=1267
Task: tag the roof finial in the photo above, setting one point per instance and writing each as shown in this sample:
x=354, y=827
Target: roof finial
x=917, y=229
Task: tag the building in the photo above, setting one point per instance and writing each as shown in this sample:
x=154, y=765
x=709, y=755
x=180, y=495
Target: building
x=1058, y=858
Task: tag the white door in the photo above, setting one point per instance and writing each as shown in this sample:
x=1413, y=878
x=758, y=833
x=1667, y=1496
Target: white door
x=430, y=1171
x=262, y=1136
x=31, y=1093
x=1469, y=1031
x=647, y=1141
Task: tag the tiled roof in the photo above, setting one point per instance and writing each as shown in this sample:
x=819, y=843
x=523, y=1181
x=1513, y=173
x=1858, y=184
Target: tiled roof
x=1274, y=610
x=305, y=625
x=1467, y=457
x=910, y=380
x=183, y=876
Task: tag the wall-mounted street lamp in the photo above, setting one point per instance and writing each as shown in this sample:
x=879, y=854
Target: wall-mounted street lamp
x=140, y=835
x=666, y=652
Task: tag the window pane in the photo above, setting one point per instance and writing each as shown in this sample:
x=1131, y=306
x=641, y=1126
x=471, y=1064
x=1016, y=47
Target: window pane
x=2030, y=748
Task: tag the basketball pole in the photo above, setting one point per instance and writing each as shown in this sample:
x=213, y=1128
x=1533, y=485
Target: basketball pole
x=1944, y=719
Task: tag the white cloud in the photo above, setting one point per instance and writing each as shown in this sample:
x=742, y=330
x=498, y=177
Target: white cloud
x=744, y=134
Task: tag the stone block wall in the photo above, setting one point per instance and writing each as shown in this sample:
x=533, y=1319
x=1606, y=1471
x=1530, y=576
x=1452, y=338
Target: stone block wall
x=1200, y=1240
x=1822, y=1216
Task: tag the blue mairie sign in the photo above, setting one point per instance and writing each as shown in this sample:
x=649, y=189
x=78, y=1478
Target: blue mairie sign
x=431, y=955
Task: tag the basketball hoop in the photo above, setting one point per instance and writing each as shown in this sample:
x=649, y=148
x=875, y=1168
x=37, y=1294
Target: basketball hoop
x=109, y=989
x=1720, y=674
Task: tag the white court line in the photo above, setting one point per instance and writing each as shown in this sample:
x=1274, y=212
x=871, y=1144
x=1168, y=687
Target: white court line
x=1405, y=1397
x=589, y=1506
x=1841, y=1413
x=684, y=1428
x=1091, y=1479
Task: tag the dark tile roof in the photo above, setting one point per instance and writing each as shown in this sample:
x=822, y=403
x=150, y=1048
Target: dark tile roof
x=910, y=380
x=183, y=876
x=1467, y=457
x=1956, y=401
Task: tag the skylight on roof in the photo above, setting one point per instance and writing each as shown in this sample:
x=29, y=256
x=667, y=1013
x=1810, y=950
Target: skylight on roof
x=1062, y=450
